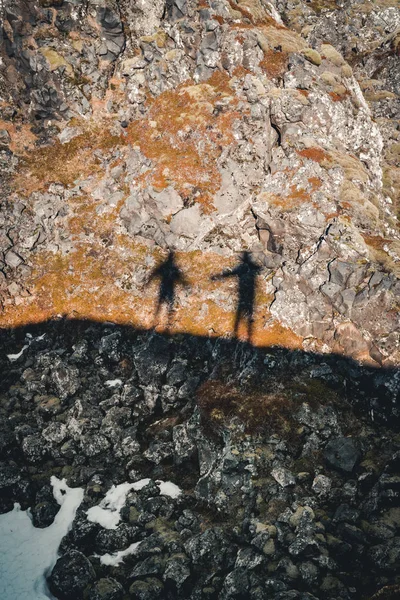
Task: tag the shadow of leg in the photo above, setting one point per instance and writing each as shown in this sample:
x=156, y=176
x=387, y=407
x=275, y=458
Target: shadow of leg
x=238, y=318
x=170, y=313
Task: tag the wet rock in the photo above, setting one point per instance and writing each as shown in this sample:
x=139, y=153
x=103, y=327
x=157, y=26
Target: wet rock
x=147, y=589
x=106, y=589
x=342, y=454
x=236, y=584
x=177, y=569
x=43, y=513
x=71, y=575
x=13, y=487
x=153, y=565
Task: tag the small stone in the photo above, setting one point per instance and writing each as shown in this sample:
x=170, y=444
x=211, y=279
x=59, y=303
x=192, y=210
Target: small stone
x=283, y=476
x=5, y=139
x=43, y=514
x=302, y=513
x=248, y=558
x=177, y=569
x=321, y=485
x=68, y=134
x=269, y=548
x=65, y=379
x=236, y=584
x=308, y=572
x=12, y=259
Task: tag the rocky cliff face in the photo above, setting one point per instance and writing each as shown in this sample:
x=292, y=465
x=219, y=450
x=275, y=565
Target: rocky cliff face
x=175, y=174
x=133, y=128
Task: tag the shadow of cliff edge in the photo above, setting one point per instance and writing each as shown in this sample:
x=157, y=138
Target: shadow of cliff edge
x=145, y=355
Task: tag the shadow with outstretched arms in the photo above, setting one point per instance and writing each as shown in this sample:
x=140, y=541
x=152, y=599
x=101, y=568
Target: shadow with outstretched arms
x=169, y=275
x=246, y=272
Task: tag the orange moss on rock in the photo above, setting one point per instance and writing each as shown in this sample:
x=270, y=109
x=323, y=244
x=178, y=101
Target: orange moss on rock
x=184, y=133
x=254, y=13
x=315, y=183
x=274, y=63
x=276, y=334
x=64, y=163
x=22, y=138
x=94, y=282
x=335, y=97
x=316, y=154
x=375, y=241
x=293, y=199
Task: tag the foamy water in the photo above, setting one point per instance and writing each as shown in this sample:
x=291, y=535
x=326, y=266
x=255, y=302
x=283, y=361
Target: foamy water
x=28, y=554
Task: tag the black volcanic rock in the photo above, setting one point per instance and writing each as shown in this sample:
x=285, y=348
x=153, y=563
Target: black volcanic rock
x=342, y=453
x=71, y=575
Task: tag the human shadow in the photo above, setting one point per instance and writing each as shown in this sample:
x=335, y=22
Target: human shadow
x=246, y=272
x=170, y=276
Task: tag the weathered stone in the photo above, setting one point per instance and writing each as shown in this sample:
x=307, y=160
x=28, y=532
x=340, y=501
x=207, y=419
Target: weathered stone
x=322, y=485
x=283, y=476
x=71, y=575
x=106, y=589
x=65, y=379
x=342, y=453
x=146, y=589
x=5, y=139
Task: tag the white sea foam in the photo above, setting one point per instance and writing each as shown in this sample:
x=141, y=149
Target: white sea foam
x=117, y=558
x=167, y=488
x=108, y=512
x=14, y=357
x=28, y=554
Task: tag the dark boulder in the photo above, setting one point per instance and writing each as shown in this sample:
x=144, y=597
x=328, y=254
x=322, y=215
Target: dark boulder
x=147, y=589
x=106, y=589
x=43, y=513
x=71, y=575
x=342, y=454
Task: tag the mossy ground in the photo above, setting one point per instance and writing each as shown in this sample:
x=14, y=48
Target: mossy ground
x=184, y=133
x=65, y=163
x=262, y=411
